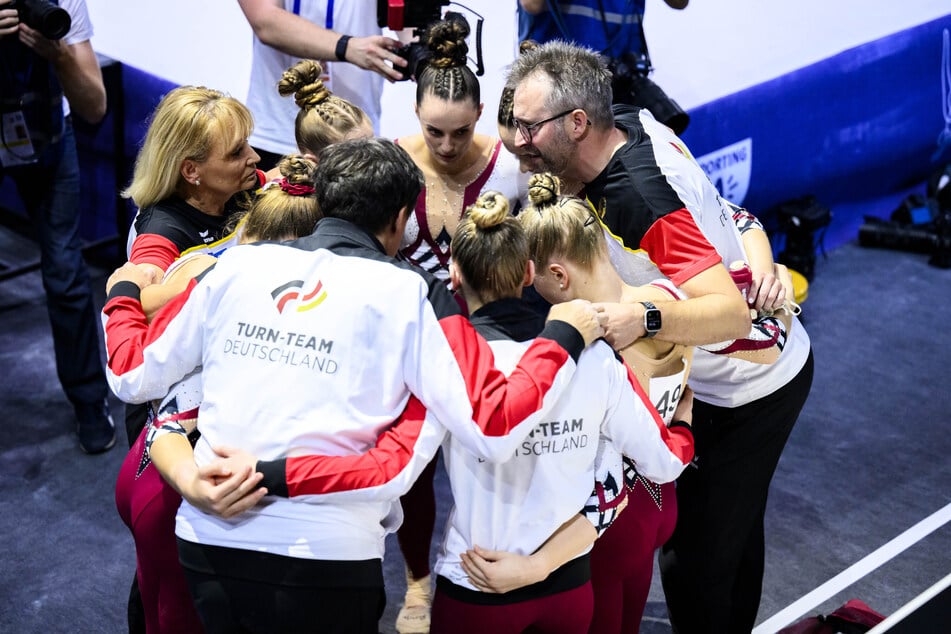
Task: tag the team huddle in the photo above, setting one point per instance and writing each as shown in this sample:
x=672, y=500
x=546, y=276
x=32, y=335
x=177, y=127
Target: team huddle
x=597, y=344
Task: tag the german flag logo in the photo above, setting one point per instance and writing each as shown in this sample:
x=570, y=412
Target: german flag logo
x=292, y=294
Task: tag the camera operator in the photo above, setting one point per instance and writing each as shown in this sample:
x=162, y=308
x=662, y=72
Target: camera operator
x=614, y=28
x=286, y=31
x=43, y=81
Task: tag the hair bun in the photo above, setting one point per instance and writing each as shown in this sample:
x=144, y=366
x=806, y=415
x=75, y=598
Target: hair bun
x=297, y=169
x=543, y=189
x=489, y=210
x=527, y=45
x=447, y=41
x=303, y=80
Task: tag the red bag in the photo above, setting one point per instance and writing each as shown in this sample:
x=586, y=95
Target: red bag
x=855, y=617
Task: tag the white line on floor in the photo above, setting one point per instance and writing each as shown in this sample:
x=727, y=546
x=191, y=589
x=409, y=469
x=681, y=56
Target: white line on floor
x=855, y=572
x=897, y=616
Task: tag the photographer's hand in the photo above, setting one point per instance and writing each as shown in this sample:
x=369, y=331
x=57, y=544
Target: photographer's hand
x=299, y=37
x=9, y=20
x=77, y=70
x=373, y=52
x=50, y=50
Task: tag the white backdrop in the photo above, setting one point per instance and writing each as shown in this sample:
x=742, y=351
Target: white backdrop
x=711, y=49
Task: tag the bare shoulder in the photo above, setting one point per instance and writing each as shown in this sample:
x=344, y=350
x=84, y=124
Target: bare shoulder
x=414, y=146
x=486, y=144
x=195, y=266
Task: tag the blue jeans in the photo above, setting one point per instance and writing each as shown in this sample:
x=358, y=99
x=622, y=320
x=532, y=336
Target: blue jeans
x=50, y=192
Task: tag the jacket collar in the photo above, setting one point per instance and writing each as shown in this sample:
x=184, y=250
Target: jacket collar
x=509, y=318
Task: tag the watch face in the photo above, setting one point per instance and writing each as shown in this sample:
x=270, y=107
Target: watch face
x=652, y=319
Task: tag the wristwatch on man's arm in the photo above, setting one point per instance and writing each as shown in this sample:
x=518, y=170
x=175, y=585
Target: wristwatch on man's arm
x=652, y=319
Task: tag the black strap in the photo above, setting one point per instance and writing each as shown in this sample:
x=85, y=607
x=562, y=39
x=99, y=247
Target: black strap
x=341, y=50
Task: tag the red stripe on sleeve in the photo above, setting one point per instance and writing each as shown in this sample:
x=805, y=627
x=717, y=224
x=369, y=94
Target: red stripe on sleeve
x=128, y=332
x=151, y=248
x=678, y=247
x=499, y=403
x=391, y=454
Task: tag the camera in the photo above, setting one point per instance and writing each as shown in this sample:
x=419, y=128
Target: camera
x=398, y=15
x=52, y=21
x=631, y=85
x=416, y=55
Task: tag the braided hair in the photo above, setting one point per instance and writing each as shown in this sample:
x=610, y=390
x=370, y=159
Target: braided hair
x=324, y=118
x=287, y=209
x=446, y=74
x=558, y=225
x=507, y=100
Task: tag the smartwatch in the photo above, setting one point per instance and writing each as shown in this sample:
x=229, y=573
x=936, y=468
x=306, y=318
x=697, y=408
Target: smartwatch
x=652, y=321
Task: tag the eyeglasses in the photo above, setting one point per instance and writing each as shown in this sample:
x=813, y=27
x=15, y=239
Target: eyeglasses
x=528, y=129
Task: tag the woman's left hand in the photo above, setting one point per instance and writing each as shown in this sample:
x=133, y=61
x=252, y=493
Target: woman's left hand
x=499, y=571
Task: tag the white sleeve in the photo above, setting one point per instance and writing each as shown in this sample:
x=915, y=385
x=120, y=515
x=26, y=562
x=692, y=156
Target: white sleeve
x=638, y=432
x=80, y=29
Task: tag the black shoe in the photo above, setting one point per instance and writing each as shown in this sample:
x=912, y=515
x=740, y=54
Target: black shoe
x=97, y=432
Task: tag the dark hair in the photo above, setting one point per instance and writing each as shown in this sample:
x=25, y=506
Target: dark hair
x=446, y=75
x=367, y=182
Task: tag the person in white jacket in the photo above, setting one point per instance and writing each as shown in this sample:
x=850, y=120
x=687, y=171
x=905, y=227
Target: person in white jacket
x=519, y=503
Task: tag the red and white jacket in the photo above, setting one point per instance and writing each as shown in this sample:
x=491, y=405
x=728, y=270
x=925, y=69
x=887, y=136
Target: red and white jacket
x=316, y=347
x=518, y=503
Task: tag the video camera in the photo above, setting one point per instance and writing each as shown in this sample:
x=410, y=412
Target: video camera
x=52, y=21
x=420, y=15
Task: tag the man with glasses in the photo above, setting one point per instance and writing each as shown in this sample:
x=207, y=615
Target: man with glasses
x=655, y=200
x=565, y=125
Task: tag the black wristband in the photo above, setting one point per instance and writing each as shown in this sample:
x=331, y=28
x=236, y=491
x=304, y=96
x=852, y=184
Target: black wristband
x=341, y=50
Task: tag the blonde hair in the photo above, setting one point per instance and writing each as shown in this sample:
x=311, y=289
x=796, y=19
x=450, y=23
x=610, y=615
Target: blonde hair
x=287, y=209
x=490, y=249
x=559, y=225
x=324, y=118
x=184, y=126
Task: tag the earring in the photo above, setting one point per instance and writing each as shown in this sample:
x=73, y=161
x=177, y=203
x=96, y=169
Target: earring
x=197, y=182
x=561, y=286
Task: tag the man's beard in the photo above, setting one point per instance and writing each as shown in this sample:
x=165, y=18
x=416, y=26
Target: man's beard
x=559, y=158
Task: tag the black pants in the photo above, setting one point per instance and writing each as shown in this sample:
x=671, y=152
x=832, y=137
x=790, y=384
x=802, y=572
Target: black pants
x=712, y=567
x=247, y=591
